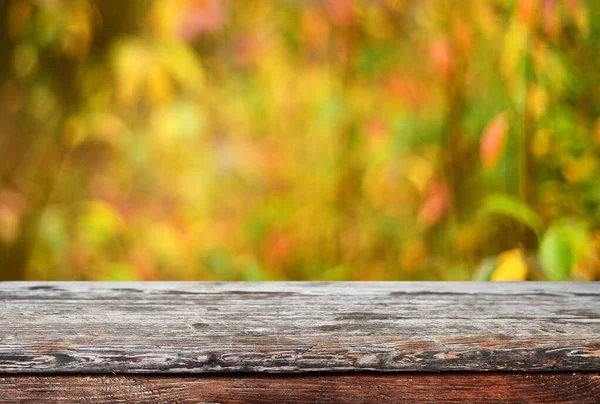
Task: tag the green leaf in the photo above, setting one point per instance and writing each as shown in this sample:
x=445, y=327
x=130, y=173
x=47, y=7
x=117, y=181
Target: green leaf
x=336, y=273
x=555, y=256
x=253, y=272
x=121, y=271
x=514, y=208
x=562, y=246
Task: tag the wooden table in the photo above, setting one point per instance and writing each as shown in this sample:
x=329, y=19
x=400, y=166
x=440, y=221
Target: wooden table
x=354, y=342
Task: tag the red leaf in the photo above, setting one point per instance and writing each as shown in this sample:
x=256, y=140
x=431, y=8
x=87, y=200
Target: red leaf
x=493, y=141
x=203, y=16
x=550, y=18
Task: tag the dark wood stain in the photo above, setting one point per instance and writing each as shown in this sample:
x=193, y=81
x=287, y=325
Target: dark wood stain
x=578, y=388
x=44, y=287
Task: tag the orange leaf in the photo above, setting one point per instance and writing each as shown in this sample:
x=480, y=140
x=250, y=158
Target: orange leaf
x=340, y=11
x=442, y=57
x=528, y=10
x=436, y=204
x=493, y=141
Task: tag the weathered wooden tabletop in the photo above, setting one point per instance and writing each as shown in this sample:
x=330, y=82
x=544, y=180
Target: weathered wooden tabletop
x=335, y=342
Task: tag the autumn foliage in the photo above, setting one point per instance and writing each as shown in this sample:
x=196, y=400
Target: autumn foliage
x=317, y=139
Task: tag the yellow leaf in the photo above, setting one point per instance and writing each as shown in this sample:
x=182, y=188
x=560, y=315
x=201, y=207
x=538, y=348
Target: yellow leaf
x=77, y=35
x=485, y=16
x=514, y=48
x=130, y=60
x=578, y=169
x=579, y=15
x=164, y=17
x=541, y=143
x=537, y=100
x=377, y=23
x=419, y=172
x=182, y=64
x=158, y=84
x=466, y=239
x=413, y=255
x=74, y=131
x=511, y=267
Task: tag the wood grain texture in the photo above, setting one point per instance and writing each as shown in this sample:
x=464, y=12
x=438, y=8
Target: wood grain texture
x=579, y=388
x=298, y=327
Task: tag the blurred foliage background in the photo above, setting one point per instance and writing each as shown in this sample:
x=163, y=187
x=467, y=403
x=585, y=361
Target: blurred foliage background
x=299, y=139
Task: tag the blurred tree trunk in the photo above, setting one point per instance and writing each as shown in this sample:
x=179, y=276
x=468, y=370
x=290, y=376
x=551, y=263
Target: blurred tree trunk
x=350, y=164
x=113, y=19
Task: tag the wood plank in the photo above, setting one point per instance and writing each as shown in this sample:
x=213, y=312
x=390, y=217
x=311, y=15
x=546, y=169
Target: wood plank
x=579, y=388
x=195, y=327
